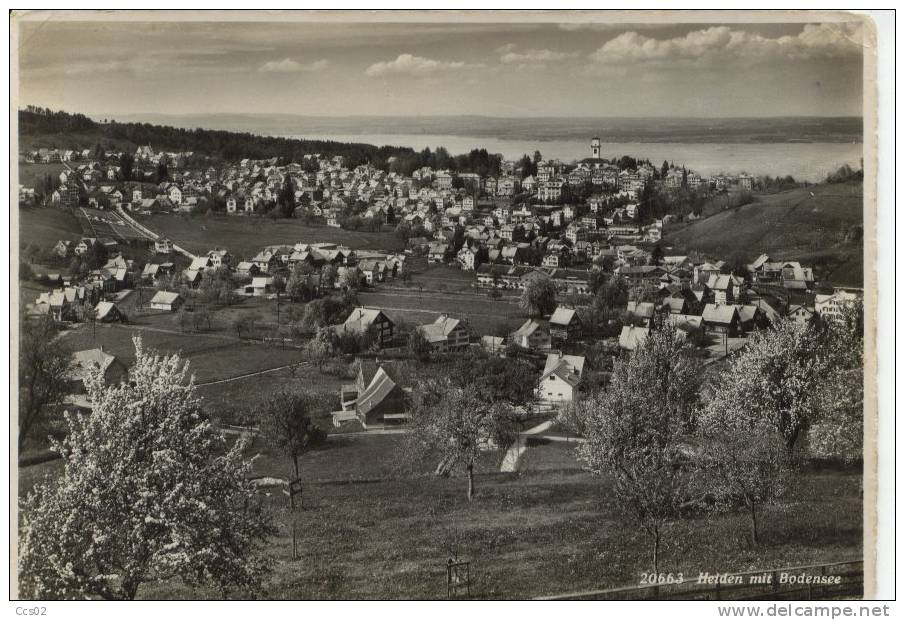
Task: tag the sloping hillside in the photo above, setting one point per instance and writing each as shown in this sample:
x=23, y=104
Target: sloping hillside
x=819, y=225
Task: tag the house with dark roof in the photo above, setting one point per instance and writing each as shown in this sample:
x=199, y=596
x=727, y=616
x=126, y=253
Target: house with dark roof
x=565, y=324
x=380, y=396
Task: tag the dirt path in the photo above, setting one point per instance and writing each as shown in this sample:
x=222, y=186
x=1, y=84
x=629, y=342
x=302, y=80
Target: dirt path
x=514, y=454
x=249, y=374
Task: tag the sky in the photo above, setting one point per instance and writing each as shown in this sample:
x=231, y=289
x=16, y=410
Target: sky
x=412, y=69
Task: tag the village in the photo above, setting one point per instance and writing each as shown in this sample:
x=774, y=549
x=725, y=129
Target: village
x=508, y=237
x=445, y=305
x=364, y=293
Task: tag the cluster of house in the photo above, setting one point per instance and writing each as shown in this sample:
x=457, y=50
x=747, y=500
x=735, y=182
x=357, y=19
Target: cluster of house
x=73, y=297
x=102, y=180
x=380, y=395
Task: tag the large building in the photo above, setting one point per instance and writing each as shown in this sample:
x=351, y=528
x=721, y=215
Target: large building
x=595, y=147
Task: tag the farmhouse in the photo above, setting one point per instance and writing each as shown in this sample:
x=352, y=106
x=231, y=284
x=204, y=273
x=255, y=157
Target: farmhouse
x=108, y=312
x=801, y=314
x=166, y=300
x=532, y=335
x=86, y=363
x=831, y=307
x=362, y=319
x=163, y=246
x=630, y=338
x=721, y=319
x=640, y=313
x=378, y=397
x=445, y=334
x=565, y=324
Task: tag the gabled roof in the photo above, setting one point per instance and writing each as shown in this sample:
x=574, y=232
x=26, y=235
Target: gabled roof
x=103, y=308
x=199, y=263
x=563, y=316
x=164, y=297
x=631, y=337
x=84, y=363
x=720, y=314
x=439, y=330
x=641, y=309
x=528, y=327
x=361, y=318
x=566, y=367
x=685, y=322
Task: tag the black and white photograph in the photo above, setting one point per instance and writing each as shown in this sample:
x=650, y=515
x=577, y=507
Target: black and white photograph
x=444, y=306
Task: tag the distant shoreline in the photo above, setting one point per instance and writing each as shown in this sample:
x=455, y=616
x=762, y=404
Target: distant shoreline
x=777, y=130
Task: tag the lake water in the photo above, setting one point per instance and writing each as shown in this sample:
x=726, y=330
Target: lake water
x=806, y=161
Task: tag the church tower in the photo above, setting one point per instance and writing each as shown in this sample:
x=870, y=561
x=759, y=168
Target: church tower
x=595, y=147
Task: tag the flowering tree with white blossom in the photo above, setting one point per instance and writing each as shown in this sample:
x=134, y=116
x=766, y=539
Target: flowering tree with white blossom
x=149, y=491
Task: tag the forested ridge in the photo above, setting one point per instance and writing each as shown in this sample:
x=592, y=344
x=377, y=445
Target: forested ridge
x=234, y=146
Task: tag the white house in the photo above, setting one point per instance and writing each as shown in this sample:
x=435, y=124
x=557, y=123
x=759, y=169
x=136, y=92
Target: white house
x=166, y=300
x=561, y=376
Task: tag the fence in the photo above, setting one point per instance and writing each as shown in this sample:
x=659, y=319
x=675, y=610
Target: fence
x=770, y=584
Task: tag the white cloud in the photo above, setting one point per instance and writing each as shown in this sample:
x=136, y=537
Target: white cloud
x=505, y=48
x=535, y=56
x=406, y=64
x=720, y=43
x=287, y=65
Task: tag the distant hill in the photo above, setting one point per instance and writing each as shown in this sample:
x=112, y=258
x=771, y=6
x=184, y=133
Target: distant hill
x=820, y=225
x=39, y=127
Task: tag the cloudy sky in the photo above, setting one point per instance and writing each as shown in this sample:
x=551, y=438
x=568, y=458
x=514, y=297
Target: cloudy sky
x=407, y=69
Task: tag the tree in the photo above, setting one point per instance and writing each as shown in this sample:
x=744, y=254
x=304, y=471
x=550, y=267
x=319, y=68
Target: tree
x=418, y=344
x=99, y=153
x=149, y=491
x=778, y=377
x=350, y=279
x=656, y=255
x=297, y=286
x=539, y=295
x=456, y=424
x=635, y=431
x=286, y=197
x=745, y=461
x=126, y=163
x=328, y=277
x=286, y=423
x=610, y=300
x=245, y=324
x=43, y=369
x=163, y=174
x=838, y=432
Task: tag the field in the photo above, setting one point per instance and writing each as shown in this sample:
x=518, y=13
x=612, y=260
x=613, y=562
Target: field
x=792, y=225
x=246, y=236
x=45, y=226
x=550, y=528
x=97, y=223
x=483, y=315
x=31, y=175
x=373, y=528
